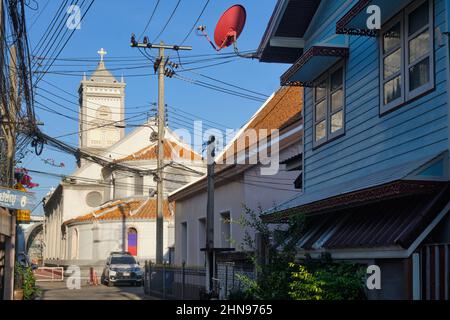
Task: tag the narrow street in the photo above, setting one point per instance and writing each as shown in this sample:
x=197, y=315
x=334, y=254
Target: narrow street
x=59, y=291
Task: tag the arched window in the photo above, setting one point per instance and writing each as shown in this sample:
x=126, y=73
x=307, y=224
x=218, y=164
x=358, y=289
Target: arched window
x=132, y=241
x=74, y=245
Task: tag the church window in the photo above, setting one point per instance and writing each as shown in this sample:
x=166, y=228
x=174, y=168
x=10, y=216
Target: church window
x=94, y=199
x=132, y=241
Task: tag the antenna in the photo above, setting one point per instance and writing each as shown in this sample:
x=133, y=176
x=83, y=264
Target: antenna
x=228, y=29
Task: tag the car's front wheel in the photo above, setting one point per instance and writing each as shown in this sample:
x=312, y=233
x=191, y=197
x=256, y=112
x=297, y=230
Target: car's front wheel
x=110, y=283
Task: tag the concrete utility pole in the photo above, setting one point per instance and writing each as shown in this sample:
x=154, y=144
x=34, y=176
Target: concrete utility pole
x=160, y=161
x=209, y=250
x=160, y=64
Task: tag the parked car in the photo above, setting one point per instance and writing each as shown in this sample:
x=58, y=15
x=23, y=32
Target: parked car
x=122, y=267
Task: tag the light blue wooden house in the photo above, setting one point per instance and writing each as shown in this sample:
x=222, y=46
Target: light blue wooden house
x=376, y=135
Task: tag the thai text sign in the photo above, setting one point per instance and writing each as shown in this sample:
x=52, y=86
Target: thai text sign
x=15, y=199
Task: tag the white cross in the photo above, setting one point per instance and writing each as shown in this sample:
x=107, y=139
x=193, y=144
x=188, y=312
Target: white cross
x=102, y=52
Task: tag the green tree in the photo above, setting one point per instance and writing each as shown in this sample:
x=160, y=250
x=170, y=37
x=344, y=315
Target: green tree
x=281, y=278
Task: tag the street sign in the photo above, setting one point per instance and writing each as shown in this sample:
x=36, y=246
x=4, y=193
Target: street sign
x=15, y=199
x=23, y=216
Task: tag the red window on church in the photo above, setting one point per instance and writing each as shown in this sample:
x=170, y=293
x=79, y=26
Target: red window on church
x=132, y=241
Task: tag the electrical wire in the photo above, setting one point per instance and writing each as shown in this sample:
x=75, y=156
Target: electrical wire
x=217, y=88
x=47, y=32
x=98, y=104
x=135, y=58
x=195, y=23
x=38, y=15
x=150, y=19
x=67, y=40
x=168, y=21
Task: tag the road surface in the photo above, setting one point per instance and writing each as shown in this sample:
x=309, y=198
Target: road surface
x=59, y=291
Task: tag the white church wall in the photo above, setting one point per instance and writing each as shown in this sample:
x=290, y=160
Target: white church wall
x=75, y=203
x=96, y=244
x=123, y=185
x=85, y=241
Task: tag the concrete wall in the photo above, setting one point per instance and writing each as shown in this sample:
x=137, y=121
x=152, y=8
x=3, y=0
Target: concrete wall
x=394, y=280
x=228, y=198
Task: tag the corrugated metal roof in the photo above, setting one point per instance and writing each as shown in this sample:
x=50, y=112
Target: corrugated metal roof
x=388, y=223
x=395, y=173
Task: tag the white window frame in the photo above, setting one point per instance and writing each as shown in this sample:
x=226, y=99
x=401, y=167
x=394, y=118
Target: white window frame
x=328, y=112
x=406, y=94
x=383, y=55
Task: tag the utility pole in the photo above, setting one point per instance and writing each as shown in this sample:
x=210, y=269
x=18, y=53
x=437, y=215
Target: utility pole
x=160, y=65
x=160, y=160
x=8, y=108
x=209, y=250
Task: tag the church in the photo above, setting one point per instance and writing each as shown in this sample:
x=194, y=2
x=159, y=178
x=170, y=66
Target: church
x=99, y=209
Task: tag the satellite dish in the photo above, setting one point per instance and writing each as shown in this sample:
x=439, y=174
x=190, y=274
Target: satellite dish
x=228, y=29
x=230, y=26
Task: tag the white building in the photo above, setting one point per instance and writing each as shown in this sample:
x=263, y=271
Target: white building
x=99, y=209
x=242, y=185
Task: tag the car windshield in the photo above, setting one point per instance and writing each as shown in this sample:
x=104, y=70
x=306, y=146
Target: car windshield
x=123, y=260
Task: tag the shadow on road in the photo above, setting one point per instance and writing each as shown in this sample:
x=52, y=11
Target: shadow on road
x=59, y=291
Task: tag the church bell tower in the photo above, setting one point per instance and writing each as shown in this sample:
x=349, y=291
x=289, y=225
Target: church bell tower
x=102, y=109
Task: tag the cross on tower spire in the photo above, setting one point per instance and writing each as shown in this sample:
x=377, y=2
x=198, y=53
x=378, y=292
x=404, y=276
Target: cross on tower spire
x=102, y=52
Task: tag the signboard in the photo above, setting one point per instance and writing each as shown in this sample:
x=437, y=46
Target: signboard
x=16, y=199
x=23, y=216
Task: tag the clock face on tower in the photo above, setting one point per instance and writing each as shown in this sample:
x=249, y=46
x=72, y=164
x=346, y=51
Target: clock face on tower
x=104, y=115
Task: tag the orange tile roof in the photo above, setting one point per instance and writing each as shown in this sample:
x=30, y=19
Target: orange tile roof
x=286, y=103
x=122, y=209
x=171, y=149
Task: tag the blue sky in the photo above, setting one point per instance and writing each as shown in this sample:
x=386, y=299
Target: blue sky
x=108, y=25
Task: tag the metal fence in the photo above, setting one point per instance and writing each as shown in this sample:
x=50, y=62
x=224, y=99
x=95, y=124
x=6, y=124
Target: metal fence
x=174, y=282
x=229, y=276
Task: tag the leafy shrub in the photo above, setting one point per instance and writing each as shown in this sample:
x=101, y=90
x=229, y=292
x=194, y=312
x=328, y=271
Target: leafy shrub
x=304, y=285
x=343, y=281
x=26, y=281
x=280, y=278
